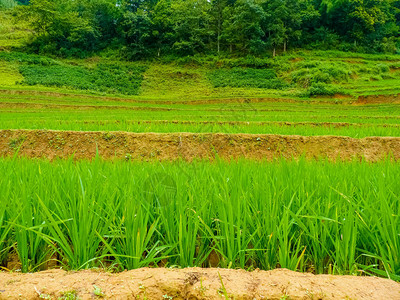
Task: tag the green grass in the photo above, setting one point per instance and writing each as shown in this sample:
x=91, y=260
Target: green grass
x=246, y=77
x=9, y=74
x=14, y=32
x=336, y=218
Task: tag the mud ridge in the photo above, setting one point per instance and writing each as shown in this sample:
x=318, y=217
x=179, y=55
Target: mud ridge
x=189, y=146
x=207, y=100
x=193, y=283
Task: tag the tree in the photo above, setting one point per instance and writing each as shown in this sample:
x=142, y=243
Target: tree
x=242, y=27
x=136, y=29
x=191, y=26
x=163, y=25
x=284, y=20
x=217, y=18
x=360, y=20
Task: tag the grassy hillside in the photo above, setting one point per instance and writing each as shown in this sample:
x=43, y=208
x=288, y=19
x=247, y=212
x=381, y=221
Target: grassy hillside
x=301, y=74
x=14, y=31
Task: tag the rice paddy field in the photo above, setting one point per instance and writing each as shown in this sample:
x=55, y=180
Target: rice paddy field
x=120, y=166
x=337, y=218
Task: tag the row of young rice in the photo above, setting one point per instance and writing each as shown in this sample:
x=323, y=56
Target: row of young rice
x=320, y=216
x=349, y=130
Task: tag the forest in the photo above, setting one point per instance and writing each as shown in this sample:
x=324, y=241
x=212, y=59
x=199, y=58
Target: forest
x=141, y=29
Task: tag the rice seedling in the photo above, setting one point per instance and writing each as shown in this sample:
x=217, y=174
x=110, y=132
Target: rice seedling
x=326, y=217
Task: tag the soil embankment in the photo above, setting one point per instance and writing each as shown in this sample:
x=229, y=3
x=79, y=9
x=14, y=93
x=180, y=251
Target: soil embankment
x=189, y=146
x=193, y=283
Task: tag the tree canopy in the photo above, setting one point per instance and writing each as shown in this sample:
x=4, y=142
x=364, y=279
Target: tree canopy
x=150, y=28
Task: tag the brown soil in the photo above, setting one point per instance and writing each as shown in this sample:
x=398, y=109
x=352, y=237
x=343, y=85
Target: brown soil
x=189, y=146
x=377, y=99
x=193, y=283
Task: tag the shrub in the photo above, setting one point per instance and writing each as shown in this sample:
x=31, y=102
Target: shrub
x=382, y=68
x=321, y=89
x=317, y=72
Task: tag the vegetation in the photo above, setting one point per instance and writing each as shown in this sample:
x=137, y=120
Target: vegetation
x=246, y=77
x=262, y=67
x=334, y=218
x=296, y=74
x=39, y=92
x=181, y=28
x=110, y=78
x=80, y=112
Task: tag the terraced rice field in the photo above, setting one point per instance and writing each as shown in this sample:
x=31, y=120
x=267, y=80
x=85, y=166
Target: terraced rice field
x=358, y=118
x=121, y=182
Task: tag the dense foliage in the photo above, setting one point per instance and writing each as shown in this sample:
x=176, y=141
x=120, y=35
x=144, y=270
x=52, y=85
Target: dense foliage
x=111, y=78
x=186, y=27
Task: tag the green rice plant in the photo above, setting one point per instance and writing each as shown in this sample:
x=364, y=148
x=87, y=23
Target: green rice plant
x=233, y=241
x=135, y=241
x=320, y=216
x=184, y=233
x=78, y=217
x=23, y=212
x=5, y=228
x=32, y=249
x=383, y=234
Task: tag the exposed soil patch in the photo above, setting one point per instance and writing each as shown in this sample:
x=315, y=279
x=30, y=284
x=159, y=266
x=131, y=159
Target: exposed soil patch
x=377, y=99
x=193, y=283
x=189, y=146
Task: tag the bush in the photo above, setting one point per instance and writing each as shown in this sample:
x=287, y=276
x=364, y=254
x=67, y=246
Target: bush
x=320, y=89
x=382, y=68
x=316, y=72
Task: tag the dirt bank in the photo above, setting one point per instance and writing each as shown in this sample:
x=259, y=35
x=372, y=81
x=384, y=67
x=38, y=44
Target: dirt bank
x=377, y=99
x=189, y=146
x=193, y=283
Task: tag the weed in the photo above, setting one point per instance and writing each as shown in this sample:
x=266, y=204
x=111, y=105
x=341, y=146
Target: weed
x=107, y=136
x=69, y=295
x=16, y=143
x=98, y=292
